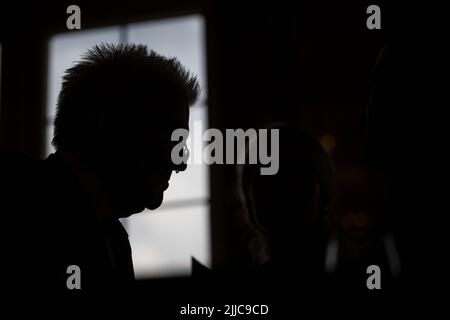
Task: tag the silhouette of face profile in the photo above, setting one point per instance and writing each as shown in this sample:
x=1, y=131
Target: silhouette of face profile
x=116, y=112
x=137, y=157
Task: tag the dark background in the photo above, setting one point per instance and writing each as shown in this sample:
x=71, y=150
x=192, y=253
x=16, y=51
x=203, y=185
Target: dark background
x=306, y=62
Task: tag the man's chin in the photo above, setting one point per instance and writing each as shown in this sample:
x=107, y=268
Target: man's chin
x=137, y=206
x=129, y=211
x=152, y=205
x=155, y=201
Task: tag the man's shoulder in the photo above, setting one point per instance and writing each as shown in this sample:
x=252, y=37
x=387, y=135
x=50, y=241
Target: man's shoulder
x=17, y=169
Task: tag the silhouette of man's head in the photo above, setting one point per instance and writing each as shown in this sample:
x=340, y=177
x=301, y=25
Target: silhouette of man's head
x=116, y=112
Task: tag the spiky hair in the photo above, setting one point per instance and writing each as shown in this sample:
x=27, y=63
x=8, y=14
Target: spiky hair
x=111, y=77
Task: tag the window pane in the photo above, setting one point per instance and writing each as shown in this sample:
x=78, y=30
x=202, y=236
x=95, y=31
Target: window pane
x=181, y=37
x=163, y=241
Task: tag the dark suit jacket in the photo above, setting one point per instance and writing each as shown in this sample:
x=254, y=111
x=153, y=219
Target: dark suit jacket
x=48, y=225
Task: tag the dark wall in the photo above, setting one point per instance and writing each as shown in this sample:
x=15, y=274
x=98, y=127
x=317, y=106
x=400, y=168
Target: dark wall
x=306, y=62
